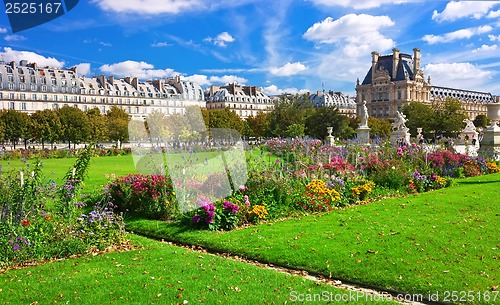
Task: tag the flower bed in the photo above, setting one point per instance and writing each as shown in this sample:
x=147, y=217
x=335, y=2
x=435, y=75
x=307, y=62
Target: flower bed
x=301, y=177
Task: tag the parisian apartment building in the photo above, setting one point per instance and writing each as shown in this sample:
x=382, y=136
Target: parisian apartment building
x=344, y=103
x=28, y=88
x=244, y=100
x=396, y=79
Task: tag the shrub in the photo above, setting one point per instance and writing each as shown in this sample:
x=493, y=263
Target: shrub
x=148, y=195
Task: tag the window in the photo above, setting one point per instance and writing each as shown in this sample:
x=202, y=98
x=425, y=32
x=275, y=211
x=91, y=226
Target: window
x=22, y=96
x=65, y=98
x=44, y=88
x=44, y=97
x=33, y=87
x=11, y=78
x=33, y=97
x=11, y=96
x=11, y=86
x=11, y=105
x=54, y=81
x=23, y=106
x=55, y=106
x=54, y=97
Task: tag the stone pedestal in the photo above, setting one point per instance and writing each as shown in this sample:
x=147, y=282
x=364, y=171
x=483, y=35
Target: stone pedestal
x=330, y=141
x=490, y=145
x=363, y=135
x=400, y=136
x=466, y=136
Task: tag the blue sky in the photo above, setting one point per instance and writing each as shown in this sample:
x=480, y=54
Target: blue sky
x=280, y=45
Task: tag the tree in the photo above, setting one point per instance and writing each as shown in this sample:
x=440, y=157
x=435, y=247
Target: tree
x=289, y=111
x=448, y=117
x=419, y=115
x=324, y=117
x=379, y=127
x=46, y=126
x=98, y=127
x=481, y=121
x=75, y=125
x=117, y=120
x=258, y=124
x=15, y=125
x=2, y=130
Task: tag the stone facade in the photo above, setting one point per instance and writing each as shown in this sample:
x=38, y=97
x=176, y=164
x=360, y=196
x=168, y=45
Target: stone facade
x=28, y=88
x=245, y=101
x=396, y=79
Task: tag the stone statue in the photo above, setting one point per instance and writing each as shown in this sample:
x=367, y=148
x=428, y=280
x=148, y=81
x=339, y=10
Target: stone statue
x=364, y=115
x=469, y=127
x=399, y=123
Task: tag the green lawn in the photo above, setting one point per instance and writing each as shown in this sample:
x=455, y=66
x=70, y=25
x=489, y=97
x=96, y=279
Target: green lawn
x=99, y=167
x=444, y=241
x=159, y=273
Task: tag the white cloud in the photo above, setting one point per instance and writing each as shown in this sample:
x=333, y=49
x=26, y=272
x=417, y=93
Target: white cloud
x=274, y=90
x=14, y=38
x=9, y=55
x=494, y=14
x=142, y=70
x=462, y=9
x=360, y=34
x=204, y=80
x=494, y=38
x=3, y=30
x=485, y=48
x=288, y=69
x=83, y=69
x=357, y=4
x=228, y=79
x=220, y=40
x=148, y=7
x=460, y=34
x=160, y=44
x=457, y=75
x=201, y=80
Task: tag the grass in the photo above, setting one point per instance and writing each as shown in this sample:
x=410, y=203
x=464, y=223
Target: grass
x=158, y=273
x=99, y=166
x=441, y=241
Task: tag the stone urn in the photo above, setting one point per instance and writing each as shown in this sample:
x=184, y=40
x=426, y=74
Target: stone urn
x=493, y=113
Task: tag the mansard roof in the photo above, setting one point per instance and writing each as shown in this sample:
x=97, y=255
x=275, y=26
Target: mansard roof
x=404, y=68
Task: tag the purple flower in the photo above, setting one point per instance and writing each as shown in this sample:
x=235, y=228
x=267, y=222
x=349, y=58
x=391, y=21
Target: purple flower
x=16, y=248
x=211, y=214
x=196, y=219
x=209, y=219
x=243, y=188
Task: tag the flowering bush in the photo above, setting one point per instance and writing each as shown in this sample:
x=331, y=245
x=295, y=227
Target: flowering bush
x=148, y=195
x=423, y=183
x=360, y=192
x=257, y=213
x=36, y=224
x=224, y=216
x=318, y=197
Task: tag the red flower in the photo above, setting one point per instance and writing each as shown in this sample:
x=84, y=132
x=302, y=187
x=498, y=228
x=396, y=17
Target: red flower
x=25, y=222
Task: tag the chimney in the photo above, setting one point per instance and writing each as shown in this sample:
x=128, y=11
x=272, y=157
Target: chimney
x=395, y=62
x=374, y=63
x=416, y=60
x=33, y=65
x=102, y=80
x=135, y=83
x=12, y=64
x=112, y=80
